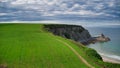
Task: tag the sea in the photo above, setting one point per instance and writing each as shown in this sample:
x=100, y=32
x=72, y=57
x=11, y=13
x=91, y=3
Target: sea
x=109, y=49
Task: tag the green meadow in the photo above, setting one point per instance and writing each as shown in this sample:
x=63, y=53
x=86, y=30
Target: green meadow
x=32, y=46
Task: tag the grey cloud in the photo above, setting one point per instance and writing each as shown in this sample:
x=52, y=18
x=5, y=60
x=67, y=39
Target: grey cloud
x=39, y=8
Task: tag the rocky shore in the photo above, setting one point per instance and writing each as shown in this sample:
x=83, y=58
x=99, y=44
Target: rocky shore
x=100, y=38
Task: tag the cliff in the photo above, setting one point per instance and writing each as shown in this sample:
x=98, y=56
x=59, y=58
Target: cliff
x=74, y=32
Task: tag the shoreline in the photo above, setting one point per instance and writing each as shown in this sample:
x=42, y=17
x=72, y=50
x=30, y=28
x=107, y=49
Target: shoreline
x=109, y=59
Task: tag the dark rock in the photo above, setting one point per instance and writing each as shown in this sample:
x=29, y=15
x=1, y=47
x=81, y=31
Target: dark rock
x=74, y=32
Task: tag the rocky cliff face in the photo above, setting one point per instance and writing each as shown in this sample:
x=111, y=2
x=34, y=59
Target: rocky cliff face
x=74, y=32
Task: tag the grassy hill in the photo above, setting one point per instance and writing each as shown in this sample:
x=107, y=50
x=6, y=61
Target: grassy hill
x=31, y=46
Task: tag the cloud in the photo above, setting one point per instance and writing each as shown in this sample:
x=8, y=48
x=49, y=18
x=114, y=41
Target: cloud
x=99, y=7
x=2, y=14
x=82, y=8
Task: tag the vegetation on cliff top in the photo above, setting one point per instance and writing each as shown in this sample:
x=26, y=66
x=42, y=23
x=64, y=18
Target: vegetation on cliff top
x=31, y=46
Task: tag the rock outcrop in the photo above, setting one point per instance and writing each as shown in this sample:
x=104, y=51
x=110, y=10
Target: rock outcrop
x=101, y=38
x=74, y=32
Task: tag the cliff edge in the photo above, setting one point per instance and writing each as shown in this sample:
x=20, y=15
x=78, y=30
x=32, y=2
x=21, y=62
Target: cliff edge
x=74, y=32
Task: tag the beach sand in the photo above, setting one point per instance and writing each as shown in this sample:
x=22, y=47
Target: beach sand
x=111, y=60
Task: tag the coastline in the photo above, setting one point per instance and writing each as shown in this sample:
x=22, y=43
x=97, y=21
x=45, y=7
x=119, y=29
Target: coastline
x=109, y=59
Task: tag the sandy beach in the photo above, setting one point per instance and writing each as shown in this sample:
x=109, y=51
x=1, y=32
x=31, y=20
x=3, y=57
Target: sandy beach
x=111, y=60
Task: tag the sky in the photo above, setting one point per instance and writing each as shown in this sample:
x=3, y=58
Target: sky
x=40, y=10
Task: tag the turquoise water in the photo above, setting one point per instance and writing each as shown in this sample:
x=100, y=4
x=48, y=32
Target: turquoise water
x=109, y=49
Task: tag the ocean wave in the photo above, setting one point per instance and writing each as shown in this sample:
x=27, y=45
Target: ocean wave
x=110, y=56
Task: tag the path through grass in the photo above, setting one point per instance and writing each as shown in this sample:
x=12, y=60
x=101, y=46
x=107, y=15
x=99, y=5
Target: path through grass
x=29, y=46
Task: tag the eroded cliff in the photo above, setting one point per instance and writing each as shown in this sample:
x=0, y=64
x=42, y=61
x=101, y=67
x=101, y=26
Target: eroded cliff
x=74, y=32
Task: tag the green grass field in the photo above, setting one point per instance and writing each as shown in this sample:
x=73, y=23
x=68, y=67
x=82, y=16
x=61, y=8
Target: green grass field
x=31, y=46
